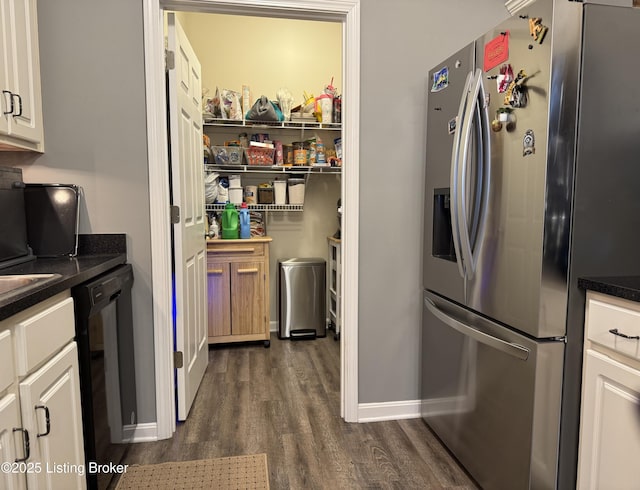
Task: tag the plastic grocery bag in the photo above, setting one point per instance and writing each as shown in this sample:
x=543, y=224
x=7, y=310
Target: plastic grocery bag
x=264, y=110
x=285, y=101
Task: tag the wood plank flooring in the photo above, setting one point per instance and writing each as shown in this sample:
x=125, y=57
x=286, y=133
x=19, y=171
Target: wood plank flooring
x=285, y=401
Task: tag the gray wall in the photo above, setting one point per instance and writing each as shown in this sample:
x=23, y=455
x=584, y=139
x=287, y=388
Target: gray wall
x=95, y=136
x=93, y=91
x=394, y=68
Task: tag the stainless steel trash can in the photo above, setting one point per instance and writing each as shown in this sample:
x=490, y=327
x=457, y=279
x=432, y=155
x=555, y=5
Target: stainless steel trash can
x=302, y=298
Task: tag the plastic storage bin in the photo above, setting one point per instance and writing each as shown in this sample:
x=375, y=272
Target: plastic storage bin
x=235, y=195
x=258, y=155
x=301, y=298
x=296, y=191
x=235, y=181
x=227, y=155
x=265, y=195
x=280, y=191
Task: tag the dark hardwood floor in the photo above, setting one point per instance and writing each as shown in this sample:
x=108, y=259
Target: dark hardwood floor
x=285, y=401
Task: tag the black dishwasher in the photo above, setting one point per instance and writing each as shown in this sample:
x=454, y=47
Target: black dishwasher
x=104, y=334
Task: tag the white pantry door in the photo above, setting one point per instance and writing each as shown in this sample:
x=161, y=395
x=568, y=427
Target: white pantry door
x=187, y=189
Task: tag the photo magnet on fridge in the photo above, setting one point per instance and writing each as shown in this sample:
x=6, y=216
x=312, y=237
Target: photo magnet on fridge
x=452, y=125
x=528, y=143
x=440, y=80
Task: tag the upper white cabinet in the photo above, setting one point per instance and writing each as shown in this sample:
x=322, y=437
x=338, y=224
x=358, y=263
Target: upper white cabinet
x=610, y=422
x=21, y=99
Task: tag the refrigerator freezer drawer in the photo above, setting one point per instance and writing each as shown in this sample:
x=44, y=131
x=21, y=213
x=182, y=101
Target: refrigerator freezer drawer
x=492, y=396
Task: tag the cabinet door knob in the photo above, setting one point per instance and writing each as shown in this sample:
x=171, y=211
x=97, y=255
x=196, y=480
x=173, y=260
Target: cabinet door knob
x=46, y=418
x=25, y=444
x=19, y=104
x=249, y=250
x=253, y=270
x=10, y=102
x=614, y=331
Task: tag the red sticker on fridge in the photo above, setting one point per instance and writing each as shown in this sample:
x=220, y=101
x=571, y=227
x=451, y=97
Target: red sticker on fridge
x=496, y=51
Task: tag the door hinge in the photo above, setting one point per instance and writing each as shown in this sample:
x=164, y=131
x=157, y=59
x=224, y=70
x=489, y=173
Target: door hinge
x=178, y=359
x=175, y=215
x=169, y=59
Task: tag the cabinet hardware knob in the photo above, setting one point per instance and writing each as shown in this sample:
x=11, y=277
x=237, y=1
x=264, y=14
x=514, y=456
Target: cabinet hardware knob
x=10, y=111
x=19, y=104
x=234, y=251
x=614, y=331
x=46, y=418
x=25, y=444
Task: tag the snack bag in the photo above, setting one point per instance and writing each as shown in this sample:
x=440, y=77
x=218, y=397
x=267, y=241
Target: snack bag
x=231, y=105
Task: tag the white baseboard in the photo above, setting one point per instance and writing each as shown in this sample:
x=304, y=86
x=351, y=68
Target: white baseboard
x=140, y=432
x=273, y=326
x=376, y=412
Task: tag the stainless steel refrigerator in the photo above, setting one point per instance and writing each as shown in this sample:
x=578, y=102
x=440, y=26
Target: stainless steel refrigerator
x=532, y=180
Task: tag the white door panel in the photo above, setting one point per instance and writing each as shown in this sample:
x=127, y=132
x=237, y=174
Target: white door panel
x=185, y=89
x=24, y=82
x=50, y=408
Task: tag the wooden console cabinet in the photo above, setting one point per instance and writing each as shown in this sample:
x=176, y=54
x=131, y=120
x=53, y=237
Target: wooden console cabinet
x=238, y=290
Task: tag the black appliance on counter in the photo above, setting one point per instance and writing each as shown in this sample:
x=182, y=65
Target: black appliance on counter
x=52, y=214
x=14, y=248
x=104, y=333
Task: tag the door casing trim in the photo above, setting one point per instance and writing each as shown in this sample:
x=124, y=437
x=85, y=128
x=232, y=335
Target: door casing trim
x=348, y=13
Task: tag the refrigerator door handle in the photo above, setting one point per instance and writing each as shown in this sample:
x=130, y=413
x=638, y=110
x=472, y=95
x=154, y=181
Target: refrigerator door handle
x=455, y=170
x=510, y=348
x=462, y=175
x=477, y=112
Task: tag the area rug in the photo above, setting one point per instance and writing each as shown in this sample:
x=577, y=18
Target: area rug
x=234, y=473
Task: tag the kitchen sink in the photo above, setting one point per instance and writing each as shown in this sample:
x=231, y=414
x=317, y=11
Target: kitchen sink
x=18, y=283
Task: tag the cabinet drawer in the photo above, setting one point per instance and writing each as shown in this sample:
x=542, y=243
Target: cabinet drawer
x=6, y=355
x=606, y=313
x=44, y=331
x=235, y=249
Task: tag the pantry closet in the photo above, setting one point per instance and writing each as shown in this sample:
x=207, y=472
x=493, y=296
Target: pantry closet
x=268, y=55
x=347, y=14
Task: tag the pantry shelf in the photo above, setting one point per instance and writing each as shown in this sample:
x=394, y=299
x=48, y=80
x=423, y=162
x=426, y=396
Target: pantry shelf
x=293, y=124
x=260, y=207
x=275, y=169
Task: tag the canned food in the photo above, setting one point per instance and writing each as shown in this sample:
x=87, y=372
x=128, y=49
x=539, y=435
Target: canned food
x=287, y=151
x=299, y=153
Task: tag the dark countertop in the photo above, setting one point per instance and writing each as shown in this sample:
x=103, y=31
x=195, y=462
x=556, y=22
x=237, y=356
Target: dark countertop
x=626, y=287
x=97, y=254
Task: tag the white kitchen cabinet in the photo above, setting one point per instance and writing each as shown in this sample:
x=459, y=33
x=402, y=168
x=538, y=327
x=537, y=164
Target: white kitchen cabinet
x=10, y=420
x=610, y=421
x=42, y=402
x=21, y=102
x=50, y=406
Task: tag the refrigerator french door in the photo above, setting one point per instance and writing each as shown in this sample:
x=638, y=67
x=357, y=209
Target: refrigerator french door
x=440, y=265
